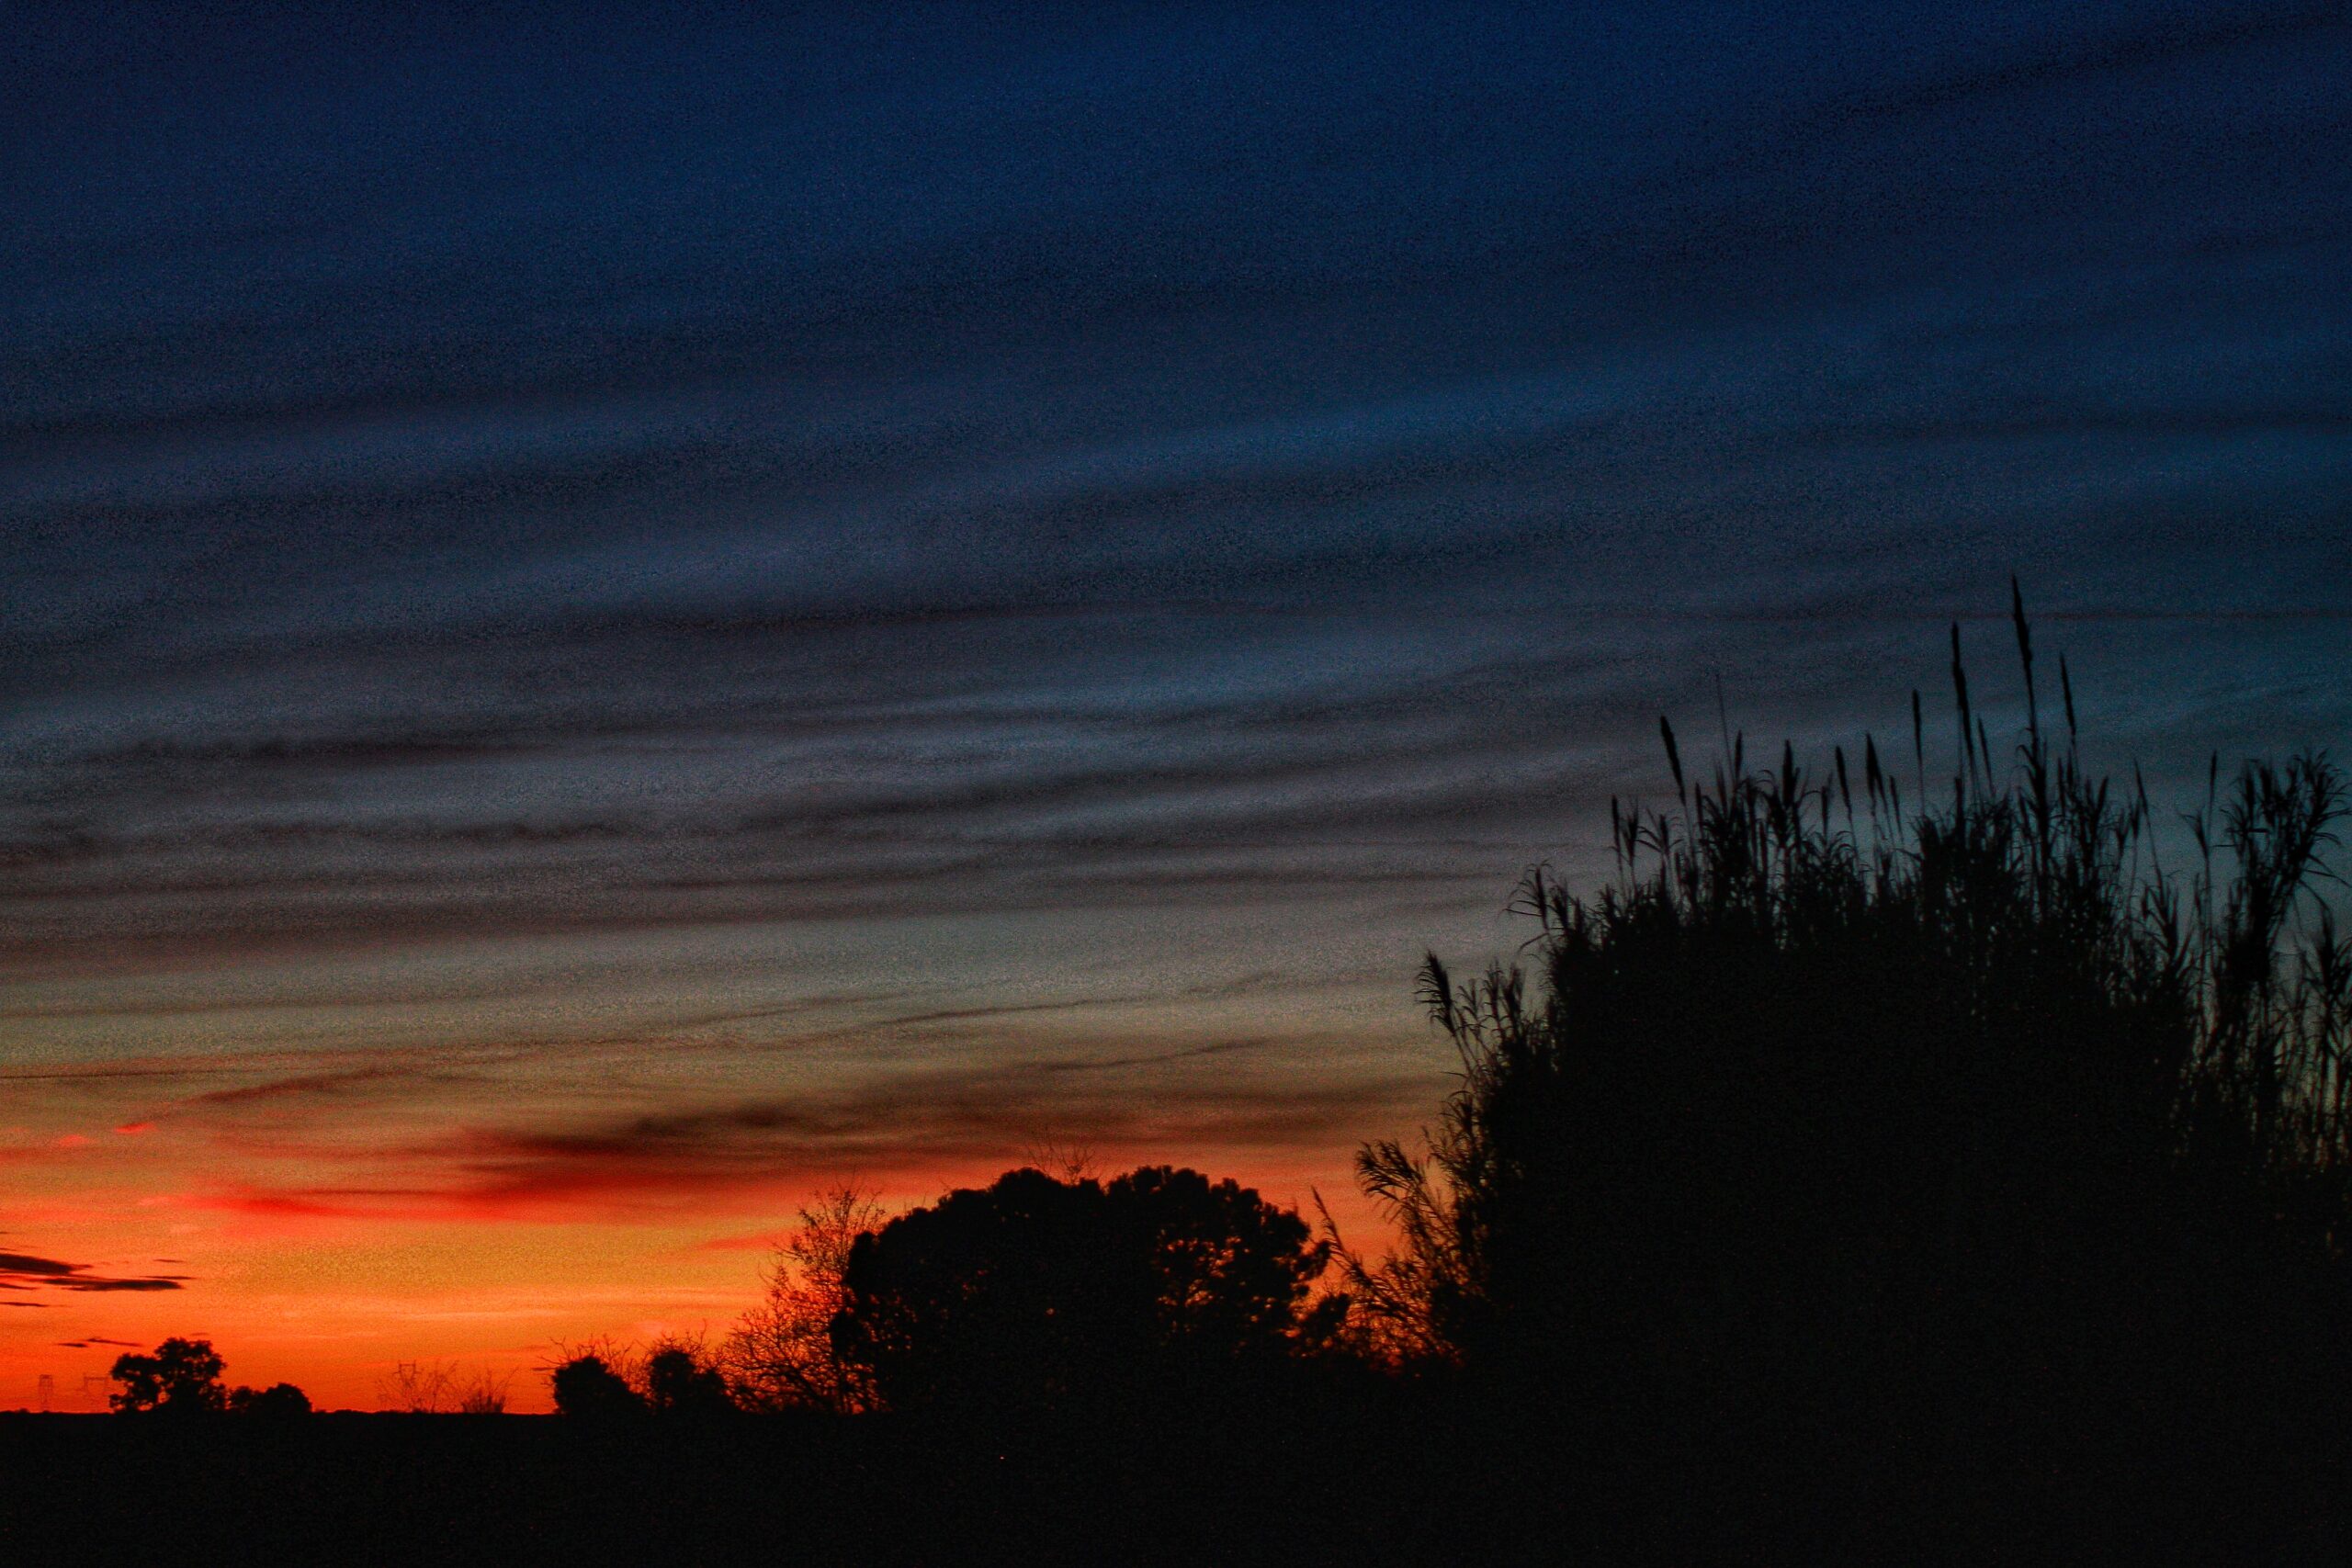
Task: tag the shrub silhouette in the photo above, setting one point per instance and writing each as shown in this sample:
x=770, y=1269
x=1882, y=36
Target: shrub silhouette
x=181, y=1377
x=1035, y=1292
x=277, y=1401
x=679, y=1382
x=586, y=1387
x=418, y=1388
x=1957, y=1140
x=483, y=1393
x=601, y=1381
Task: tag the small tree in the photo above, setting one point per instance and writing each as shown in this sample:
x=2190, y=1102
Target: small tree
x=783, y=1355
x=181, y=1377
x=588, y=1387
x=419, y=1388
x=680, y=1380
x=275, y=1402
x=1035, y=1292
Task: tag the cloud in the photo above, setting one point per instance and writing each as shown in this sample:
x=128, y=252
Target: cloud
x=758, y=1241
x=159, y=1283
x=751, y=1154
x=2056, y=62
x=313, y=1084
x=24, y=1271
x=1307, y=505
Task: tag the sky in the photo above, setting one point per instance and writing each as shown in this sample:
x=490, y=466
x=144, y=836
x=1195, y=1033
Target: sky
x=613, y=617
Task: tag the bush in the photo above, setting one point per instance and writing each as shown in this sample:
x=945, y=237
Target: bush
x=680, y=1380
x=602, y=1382
x=181, y=1377
x=1954, y=1140
x=587, y=1389
x=1035, y=1292
x=276, y=1401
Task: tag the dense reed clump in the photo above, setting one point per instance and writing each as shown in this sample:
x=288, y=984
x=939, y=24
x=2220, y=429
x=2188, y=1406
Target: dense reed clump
x=1942, y=1138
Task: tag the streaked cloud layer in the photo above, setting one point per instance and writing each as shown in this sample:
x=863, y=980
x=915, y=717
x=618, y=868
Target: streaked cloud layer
x=609, y=619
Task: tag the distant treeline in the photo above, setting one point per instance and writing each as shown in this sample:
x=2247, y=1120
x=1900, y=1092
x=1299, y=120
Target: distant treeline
x=1894, y=1157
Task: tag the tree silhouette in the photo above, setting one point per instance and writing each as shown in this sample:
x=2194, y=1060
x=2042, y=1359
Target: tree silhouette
x=783, y=1355
x=277, y=1401
x=679, y=1382
x=1037, y=1293
x=181, y=1377
x=588, y=1387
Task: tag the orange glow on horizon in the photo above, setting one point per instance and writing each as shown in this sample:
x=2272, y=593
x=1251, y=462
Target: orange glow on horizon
x=294, y=1291
x=481, y=1188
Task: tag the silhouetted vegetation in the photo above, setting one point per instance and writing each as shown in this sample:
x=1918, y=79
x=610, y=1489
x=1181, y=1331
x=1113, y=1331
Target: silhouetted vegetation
x=1879, y=1165
x=675, y=1378
x=783, y=1355
x=1864, y=1163
x=1040, y=1293
x=588, y=1389
x=483, y=1393
x=279, y=1400
x=181, y=1377
x=680, y=1383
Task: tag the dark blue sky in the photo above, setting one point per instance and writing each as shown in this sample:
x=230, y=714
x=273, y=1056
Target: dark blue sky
x=992, y=543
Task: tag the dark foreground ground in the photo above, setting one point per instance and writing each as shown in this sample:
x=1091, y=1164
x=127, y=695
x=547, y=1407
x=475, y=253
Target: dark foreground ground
x=541, y=1489
x=1396, y=1485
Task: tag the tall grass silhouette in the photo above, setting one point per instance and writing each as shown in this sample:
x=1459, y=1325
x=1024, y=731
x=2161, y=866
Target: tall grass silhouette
x=1903, y=1138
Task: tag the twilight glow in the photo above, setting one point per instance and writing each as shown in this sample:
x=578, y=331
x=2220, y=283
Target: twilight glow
x=608, y=623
